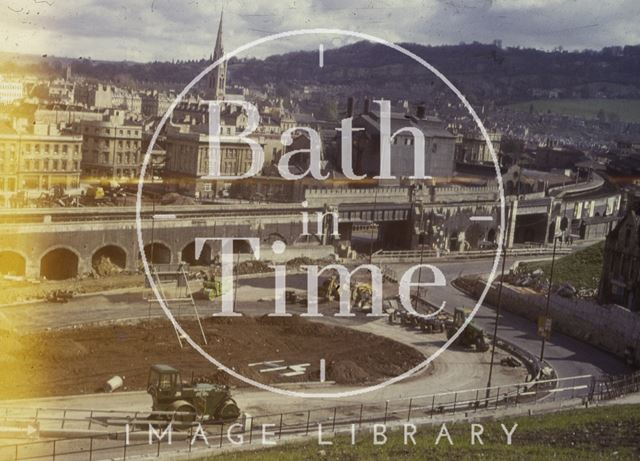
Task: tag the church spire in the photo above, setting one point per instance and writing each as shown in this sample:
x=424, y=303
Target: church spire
x=216, y=84
x=219, y=50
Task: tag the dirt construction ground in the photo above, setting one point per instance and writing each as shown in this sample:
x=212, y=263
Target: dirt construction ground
x=80, y=360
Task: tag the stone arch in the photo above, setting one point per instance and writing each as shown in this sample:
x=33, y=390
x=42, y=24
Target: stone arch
x=474, y=234
x=157, y=253
x=12, y=263
x=307, y=239
x=188, y=254
x=59, y=263
x=241, y=247
x=454, y=241
x=510, y=187
x=115, y=253
x=491, y=235
x=274, y=236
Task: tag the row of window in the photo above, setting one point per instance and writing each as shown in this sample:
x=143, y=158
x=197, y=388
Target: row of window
x=45, y=148
x=126, y=158
x=409, y=141
x=106, y=142
x=46, y=165
x=108, y=131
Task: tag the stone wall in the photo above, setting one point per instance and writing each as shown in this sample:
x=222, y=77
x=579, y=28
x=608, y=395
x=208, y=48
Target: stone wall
x=610, y=327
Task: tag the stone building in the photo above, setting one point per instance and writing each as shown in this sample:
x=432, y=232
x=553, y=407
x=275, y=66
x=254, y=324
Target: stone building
x=103, y=96
x=472, y=149
x=111, y=147
x=10, y=90
x=35, y=161
x=187, y=161
x=620, y=281
x=155, y=103
x=439, y=145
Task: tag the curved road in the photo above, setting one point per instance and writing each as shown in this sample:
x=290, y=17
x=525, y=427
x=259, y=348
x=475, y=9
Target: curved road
x=568, y=356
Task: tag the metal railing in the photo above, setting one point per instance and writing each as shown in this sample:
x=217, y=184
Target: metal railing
x=101, y=443
x=389, y=255
x=612, y=387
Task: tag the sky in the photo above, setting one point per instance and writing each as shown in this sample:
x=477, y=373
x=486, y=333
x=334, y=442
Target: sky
x=148, y=30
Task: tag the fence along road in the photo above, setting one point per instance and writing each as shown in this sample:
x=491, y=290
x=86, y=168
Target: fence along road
x=99, y=435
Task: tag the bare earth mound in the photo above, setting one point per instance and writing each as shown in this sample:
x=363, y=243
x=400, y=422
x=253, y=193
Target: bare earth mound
x=75, y=361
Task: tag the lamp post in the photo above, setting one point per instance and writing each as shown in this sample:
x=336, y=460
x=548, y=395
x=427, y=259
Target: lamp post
x=505, y=239
x=563, y=226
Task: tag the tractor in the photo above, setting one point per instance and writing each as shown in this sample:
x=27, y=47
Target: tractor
x=205, y=401
x=212, y=288
x=472, y=336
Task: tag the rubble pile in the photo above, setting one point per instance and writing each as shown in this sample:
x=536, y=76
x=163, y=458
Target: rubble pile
x=297, y=263
x=537, y=280
x=253, y=267
x=173, y=198
x=105, y=268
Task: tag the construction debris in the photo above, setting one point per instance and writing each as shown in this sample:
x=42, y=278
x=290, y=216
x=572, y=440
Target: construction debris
x=105, y=268
x=510, y=361
x=114, y=383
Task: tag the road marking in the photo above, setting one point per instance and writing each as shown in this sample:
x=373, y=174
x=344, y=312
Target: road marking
x=322, y=371
x=481, y=218
x=321, y=50
x=267, y=362
x=281, y=367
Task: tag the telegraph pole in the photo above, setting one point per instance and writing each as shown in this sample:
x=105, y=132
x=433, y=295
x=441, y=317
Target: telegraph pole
x=563, y=226
x=499, y=302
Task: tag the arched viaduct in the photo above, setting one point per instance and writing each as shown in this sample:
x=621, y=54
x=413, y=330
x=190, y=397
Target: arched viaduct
x=65, y=242
x=62, y=243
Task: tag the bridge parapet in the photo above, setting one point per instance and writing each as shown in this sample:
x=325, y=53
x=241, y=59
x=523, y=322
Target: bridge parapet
x=320, y=197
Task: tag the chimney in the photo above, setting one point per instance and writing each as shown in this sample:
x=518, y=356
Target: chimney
x=366, y=105
x=421, y=111
x=350, y=103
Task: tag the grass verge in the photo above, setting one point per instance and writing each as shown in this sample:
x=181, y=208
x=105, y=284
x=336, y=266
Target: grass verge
x=581, y=269
x=587, y=434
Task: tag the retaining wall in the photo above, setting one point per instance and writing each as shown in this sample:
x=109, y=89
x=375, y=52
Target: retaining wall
x=610, y=327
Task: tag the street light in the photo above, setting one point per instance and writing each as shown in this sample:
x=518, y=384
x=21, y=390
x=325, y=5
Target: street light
x=505, y=239
x=564, y=222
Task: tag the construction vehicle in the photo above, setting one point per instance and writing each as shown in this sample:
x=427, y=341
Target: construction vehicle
x=203, y=401
x=427, y=325
x=212, y=288
x=397, y=314
x=472, y=336
x=361, y=296
x=95, y=193
x=330, y=289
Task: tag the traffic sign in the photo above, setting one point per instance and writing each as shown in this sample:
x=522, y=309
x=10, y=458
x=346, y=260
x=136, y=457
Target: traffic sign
x=544, y=327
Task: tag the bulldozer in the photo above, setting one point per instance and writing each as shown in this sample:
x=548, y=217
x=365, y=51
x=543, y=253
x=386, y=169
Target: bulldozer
x=330, y=289
x=361, y=296
x=203, y=401
x=361, y=293
x=472, y=336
